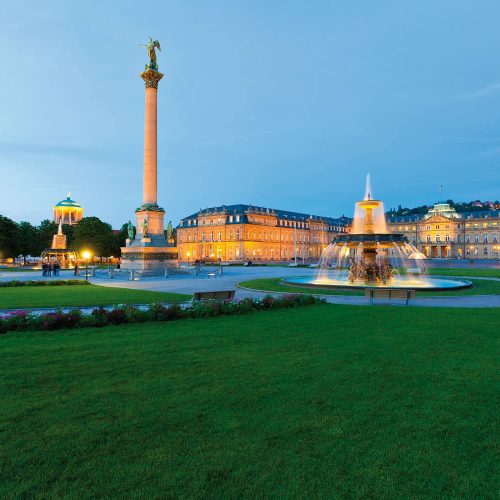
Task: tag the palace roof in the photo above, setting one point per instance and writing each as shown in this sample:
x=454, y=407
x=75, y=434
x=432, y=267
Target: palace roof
x=480, y=214
x=245, y=210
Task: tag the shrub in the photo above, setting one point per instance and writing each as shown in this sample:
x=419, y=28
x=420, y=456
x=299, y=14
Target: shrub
x=100, y=316
x=16, y=283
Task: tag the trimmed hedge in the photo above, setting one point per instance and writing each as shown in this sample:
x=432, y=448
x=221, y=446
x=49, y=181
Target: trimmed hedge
x=99, y=317
x=15, y=283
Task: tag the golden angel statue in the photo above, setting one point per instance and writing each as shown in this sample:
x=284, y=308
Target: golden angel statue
x=151, y=46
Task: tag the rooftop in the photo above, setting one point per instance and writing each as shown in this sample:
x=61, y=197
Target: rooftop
x=241, y=209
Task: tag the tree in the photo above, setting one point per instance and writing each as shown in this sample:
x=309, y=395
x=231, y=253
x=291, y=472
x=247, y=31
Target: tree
x=28, y=241
x=94, y=235
x=45, y=232
x=9, y=238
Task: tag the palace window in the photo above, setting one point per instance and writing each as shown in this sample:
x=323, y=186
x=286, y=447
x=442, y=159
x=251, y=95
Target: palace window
x=220, y=235
x=485, y=251
x=467, y=238
x=211, y=236
x=438, y=238
x=427, y=227
x=437, y=226
x=447, y=238
x=485, y=238
x=230, y=218
x=495, y=238
x=458, y=238
x=476, y=238
x=428, y=239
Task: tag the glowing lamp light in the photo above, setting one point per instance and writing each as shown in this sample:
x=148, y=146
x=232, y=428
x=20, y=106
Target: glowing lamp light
x=86, y=254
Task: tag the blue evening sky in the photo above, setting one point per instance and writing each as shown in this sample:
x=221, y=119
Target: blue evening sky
x=286, y=104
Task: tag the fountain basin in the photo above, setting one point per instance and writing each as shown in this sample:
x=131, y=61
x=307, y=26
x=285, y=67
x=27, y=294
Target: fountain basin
x=403, y=282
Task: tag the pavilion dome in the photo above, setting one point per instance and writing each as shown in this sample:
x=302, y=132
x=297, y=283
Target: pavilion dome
x=68, y=211
x=68, y=202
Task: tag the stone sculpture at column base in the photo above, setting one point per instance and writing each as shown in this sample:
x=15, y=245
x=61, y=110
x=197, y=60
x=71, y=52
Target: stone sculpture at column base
x=149, y=248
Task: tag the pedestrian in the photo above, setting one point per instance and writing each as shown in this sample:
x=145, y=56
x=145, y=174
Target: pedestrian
x=77, y=269
x=44, y=269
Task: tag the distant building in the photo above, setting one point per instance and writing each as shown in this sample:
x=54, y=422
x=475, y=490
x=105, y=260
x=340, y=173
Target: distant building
x=443, y=232
x=244, y=232
x=68, y=211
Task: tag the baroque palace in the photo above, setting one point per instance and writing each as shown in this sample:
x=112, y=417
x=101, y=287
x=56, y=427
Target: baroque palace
x=444, y=233
x=244, y=232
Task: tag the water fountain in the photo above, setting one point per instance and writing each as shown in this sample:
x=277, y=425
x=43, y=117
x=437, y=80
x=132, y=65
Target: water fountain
x=59, y=252
x=370, y=256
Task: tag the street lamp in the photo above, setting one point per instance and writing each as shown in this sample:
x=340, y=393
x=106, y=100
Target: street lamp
x=86, y=256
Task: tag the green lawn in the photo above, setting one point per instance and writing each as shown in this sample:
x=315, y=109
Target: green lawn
x=447, y=271
x=276, y=285
x=73, y=296
x=15, y=269
x=317, y=402
x=480, y=287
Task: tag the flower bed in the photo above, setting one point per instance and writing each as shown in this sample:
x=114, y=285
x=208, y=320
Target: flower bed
x=15, y=283
x=25, y=321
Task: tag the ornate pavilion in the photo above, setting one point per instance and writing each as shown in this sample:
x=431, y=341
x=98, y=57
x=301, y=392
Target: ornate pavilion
x=68, y=211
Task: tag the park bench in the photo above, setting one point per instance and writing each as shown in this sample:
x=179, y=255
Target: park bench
x=389, y=293
x=215, y=295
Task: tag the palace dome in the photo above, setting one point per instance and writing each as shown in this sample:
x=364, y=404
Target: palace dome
x=443, y=209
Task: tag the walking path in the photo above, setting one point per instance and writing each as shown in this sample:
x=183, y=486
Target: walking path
x=232, y=276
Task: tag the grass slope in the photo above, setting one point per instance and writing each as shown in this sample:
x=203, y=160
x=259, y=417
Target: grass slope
x=73, y=296
x=480, y=287
x=447, y=271
x=319, y=402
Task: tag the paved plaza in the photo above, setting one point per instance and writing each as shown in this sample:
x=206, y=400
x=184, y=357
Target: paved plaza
x=233, y=275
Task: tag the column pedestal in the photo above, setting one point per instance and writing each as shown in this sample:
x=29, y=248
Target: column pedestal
x=150, y=250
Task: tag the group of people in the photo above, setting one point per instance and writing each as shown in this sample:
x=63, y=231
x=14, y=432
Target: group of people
x=51, y=268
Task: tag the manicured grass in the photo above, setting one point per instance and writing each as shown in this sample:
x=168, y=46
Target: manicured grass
x=15, y=269
x=480, y=287
x=73, y=296
x=447, y=271
x=276, y=285
x=318, y=402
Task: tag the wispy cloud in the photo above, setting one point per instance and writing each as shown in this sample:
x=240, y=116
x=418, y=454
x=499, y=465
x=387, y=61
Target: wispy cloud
x=486, y=91
x=255, y=134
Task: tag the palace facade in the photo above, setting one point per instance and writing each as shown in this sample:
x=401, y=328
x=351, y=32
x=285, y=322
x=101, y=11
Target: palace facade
x=235, y=233
x=444, y=233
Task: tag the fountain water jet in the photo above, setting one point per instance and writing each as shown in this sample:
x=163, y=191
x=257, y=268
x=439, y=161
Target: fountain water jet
x=370, y=256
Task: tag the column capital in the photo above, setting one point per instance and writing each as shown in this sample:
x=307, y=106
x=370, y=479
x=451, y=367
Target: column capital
x=151, y=77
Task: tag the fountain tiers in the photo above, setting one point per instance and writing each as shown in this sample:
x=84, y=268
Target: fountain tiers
x=371, y=257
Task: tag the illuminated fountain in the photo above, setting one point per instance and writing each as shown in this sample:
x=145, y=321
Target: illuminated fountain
x=59, y=252
x=370, y=256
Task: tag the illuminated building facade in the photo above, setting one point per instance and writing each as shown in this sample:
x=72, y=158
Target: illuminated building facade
x=242, y=232
x=444, y=233
x=68, y=211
